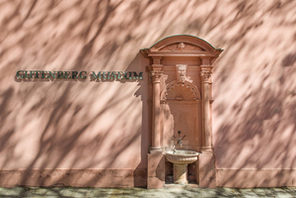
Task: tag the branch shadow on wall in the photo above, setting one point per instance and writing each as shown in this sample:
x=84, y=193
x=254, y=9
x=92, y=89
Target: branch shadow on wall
x=56, y=115
x=63, y=139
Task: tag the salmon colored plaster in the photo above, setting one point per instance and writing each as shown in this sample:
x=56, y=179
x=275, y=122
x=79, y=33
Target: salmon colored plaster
x=88, y=133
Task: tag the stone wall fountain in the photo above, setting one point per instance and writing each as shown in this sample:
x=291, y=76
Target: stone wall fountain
x=181, y=85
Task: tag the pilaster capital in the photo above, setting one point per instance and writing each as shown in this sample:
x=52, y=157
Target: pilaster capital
x=156, y=75
x=156, y=72
x=206, y=73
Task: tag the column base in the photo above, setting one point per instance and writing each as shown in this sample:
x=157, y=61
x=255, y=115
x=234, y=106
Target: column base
x=207, y=149
x=156, y=169
x=207, y=169
x=155, y=149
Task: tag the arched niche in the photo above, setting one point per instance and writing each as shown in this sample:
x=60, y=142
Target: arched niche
x=180, y=91
x=198, y=55
x=181, y=86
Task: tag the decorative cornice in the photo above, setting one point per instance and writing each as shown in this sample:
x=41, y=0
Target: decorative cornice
x=182, y=46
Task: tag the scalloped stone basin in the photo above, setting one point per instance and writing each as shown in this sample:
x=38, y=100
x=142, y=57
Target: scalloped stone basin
x=181, y=156
x=180, y=160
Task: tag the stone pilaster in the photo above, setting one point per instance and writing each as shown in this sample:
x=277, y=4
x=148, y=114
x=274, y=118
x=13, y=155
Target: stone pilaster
x=206, y=86
x=156, y=160
x=156, y=74
x=207, y=169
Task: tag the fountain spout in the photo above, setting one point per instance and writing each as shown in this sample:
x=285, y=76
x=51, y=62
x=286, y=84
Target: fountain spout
x=178, y=140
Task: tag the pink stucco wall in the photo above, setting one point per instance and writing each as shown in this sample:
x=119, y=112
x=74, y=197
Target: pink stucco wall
x=74, y=125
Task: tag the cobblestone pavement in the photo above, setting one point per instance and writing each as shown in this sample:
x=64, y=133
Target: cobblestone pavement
x=175, y=191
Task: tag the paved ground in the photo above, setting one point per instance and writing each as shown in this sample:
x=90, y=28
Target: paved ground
x=180, y=192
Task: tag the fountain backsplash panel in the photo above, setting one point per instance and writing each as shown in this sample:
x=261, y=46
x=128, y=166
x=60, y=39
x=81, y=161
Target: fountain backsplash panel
x=181, y=108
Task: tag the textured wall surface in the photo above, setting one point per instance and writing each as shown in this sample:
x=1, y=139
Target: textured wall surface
x=77, y=125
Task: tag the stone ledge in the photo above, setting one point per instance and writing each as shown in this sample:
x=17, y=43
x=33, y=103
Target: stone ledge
x=252, y=177
x=74, y=177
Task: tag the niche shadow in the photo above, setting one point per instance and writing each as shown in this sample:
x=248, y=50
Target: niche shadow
x=139, y=64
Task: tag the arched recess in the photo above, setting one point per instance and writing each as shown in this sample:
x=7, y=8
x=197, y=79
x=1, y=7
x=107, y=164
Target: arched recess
x=185, y=91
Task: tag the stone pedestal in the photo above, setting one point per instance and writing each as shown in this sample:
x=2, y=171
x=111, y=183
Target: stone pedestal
x=207, y=170
x=156, y=169
x=180, y=174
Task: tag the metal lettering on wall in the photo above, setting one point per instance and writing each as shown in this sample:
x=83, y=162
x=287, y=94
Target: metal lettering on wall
x=27, y=75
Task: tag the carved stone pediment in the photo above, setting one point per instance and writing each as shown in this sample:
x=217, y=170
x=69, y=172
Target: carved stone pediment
x=181, y=47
